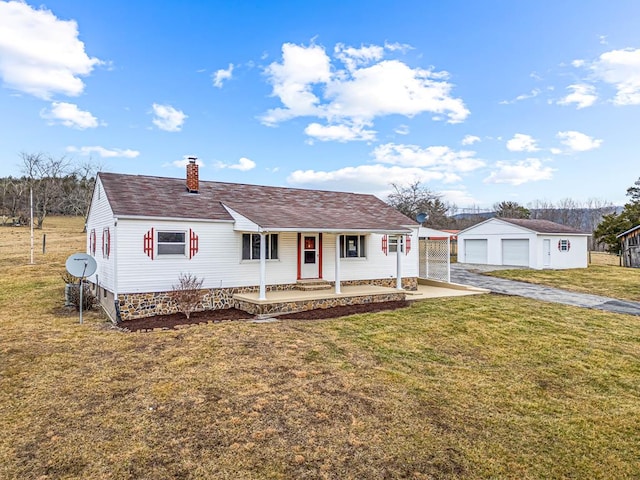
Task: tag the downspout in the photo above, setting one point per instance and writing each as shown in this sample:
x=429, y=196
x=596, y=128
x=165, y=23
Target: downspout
x=114, y=249
x=263, y=266
x=337, y=263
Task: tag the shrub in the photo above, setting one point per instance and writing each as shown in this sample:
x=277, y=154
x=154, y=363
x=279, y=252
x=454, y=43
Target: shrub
x=89, y=300
x=186, y=293
x=72, y=293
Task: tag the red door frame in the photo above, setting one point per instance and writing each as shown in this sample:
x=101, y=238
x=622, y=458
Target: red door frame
x=300, y=255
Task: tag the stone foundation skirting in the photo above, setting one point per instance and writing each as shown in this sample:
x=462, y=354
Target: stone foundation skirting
x=267, y=309
x=140, y=305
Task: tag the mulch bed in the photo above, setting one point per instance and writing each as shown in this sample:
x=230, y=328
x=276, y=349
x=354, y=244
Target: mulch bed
x=178, y=320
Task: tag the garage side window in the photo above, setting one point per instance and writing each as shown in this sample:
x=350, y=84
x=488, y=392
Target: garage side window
x=564, y=245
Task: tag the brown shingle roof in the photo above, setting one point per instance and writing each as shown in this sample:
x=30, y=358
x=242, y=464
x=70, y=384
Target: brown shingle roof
x=269, y=207
x=542, y=226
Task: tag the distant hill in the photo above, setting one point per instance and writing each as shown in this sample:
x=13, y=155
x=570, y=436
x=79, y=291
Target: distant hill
x=585, y=219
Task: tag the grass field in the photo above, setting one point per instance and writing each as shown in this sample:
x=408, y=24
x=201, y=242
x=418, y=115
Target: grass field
x=604, y=276
x=466, y=387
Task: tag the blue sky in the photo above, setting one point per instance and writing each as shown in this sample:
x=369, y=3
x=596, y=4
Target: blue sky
x=481, y=101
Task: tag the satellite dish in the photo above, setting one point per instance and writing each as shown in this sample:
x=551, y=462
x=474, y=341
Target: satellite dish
x=81, y=265
x=421, y=217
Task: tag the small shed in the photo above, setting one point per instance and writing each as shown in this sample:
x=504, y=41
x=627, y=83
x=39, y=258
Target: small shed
x=630, y=247
x=538, y=244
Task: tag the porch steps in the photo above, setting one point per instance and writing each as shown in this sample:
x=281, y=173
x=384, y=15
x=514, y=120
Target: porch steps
x=313, y=284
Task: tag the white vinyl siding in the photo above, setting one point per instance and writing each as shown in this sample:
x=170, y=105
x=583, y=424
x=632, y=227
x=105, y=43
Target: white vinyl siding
x=99, y=219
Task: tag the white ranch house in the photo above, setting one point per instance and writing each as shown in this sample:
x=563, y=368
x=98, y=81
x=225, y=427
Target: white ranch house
x=245, y=241
x=537, y=244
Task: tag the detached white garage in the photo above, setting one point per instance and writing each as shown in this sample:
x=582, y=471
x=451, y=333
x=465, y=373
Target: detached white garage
x=524, y=243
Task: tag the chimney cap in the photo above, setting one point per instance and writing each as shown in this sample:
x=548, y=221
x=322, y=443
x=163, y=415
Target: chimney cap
x=192, y=159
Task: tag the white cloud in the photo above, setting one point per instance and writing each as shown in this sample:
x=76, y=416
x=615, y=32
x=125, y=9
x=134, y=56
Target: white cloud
x=293, y=79
x=392, y=87
x=168, y=118
x=367, y=178
x=555, y=151
x=402, y=129
x=522, y=143
x=517, y=173
x=220, y=76
x=355, y=57
x=534, y=93
x=620, y=68
x=244, y=165
x=458, y=197
x=577, y=141
x=341, y=133
x=435, y=158
x=583, y=95
x=104, y=152
x=69, y=115
x=184, y=162
x=40, y=54
x=308, y=84
x=470, y=139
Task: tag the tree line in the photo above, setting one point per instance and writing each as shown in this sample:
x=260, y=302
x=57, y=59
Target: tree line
x=588, y=216
x=59, y=187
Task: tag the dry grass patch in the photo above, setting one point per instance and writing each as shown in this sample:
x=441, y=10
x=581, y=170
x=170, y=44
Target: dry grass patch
x=603, y=258
x=466, y=387
x=606, y=280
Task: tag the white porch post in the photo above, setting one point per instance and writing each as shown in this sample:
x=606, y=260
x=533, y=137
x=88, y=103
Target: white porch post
x=263, y=267
x=337, y=262
x=399, y=253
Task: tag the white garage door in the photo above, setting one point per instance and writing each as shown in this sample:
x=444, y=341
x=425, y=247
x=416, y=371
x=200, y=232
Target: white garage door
x=475, y=251
x=515, y=252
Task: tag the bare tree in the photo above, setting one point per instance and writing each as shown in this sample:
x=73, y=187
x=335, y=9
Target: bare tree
x=44, y=175
x=415, y=198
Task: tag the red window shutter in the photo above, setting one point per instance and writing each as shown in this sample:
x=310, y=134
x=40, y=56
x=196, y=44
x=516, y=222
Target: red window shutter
x=559, y=244
x=103, y=243
x=568, y=245
x=108, y=242
x=385, y=244
x=148, y=244
x=193, y=243
x=407, y=242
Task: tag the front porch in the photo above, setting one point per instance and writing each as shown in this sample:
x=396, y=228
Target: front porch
x=290, y=301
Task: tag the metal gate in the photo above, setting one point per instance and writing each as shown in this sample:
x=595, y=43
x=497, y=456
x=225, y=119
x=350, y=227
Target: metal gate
x=435, y=260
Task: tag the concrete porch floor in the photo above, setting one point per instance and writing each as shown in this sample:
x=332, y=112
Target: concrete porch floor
x=426, y=289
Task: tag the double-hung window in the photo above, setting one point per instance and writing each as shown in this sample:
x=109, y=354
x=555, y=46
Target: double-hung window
x=171, y=243
x=353, y=246
x=564, y=245
x=251, y=246
x=394, y=241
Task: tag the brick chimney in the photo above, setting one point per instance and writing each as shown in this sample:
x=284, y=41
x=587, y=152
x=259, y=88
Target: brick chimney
x=192, y=175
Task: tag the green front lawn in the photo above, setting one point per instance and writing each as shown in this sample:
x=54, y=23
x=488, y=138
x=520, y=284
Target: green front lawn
x=465, y=387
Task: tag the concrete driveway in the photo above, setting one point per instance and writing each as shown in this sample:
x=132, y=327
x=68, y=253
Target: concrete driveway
x=468, y=274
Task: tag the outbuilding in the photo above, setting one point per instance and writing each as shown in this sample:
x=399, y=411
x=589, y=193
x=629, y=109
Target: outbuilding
x=538, y=244
x=630, y=247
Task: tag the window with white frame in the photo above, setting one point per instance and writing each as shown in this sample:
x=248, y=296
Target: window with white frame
x=393, y=243
x=564, y=245
x=353, y=246
x=171, y=243
x=251, y=246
